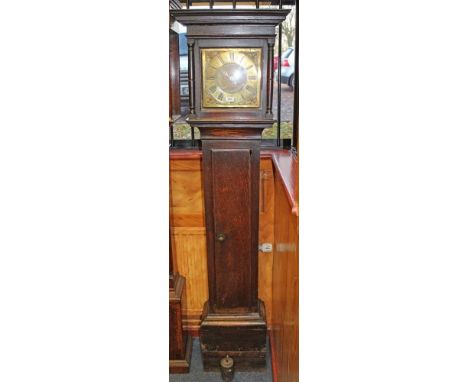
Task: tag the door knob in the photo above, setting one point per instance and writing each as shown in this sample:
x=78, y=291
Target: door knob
x=220, y=237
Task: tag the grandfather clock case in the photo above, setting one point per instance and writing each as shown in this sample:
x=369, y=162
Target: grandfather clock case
x=231, y=90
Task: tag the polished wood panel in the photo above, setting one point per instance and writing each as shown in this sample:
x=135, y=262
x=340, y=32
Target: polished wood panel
x=231, y=172
x=174, y=75
x=285, y=288
x=188, y=233
x=280, y=265
x=176, y=337
x=232, y=227
x=278, y=225
x=186, y=195
x=291, y=321
x=180, y=343
x=189, y=244
x=266, y=234
x=287, y=168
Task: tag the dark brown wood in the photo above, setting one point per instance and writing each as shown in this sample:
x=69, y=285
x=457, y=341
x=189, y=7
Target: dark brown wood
x=233, y=320
x=231, y=173
x=242, y=336
x=180, y=343
x=270, y=79
x=278, y=97
x=174, y=80
x=176, y=338
x=191, y=67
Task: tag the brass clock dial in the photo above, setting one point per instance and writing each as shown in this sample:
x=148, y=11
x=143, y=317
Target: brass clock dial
x=231, y=77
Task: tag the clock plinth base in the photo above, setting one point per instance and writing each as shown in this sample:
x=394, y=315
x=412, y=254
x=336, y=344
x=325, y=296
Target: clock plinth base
x=242, y=336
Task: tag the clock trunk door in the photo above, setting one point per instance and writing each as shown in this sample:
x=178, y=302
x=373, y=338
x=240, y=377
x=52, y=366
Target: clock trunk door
x=231, y=175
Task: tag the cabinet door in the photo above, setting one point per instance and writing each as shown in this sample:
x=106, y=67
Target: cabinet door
x=231, y=171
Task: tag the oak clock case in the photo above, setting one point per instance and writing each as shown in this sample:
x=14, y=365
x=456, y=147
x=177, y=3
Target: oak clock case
x=231, y=89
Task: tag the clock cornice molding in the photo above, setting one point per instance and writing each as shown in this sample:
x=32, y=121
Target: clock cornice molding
x=257, y=17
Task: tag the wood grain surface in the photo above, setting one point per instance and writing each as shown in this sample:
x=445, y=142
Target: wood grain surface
x=278, y=287
x=285, y=289
x=189, y=236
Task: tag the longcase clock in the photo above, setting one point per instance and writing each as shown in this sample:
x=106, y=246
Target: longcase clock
x=231, y=89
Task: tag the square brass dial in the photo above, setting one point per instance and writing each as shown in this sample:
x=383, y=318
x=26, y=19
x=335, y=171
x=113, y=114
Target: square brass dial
x=231, y=77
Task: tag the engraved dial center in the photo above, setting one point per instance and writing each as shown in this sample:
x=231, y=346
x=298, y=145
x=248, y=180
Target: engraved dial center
x=231, y=77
